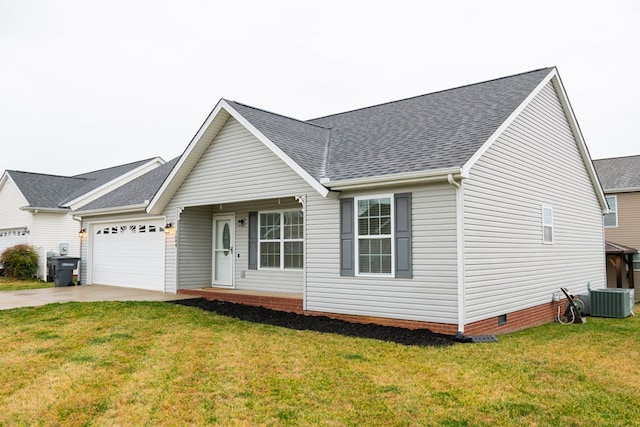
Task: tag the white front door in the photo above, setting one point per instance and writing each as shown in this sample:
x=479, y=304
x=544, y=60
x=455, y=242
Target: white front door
x=223, y=253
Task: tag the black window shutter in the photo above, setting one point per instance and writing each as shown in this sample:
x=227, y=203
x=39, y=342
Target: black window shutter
x=253, y=240
x=347, y=264
x=403, y=235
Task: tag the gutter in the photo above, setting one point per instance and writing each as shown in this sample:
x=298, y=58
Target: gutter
x=36, y=209
x=460, y=250
x=394, y=179
x=117, y=209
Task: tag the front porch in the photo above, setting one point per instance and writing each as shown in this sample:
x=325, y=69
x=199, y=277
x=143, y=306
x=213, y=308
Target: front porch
x=273, y=300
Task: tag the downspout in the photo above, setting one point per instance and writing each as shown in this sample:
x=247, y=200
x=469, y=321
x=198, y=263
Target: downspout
x=460, y=250
x=75, y=218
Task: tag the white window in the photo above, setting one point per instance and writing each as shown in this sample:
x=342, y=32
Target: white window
x=611, y=219
x=636, y=261
x=547, y=224
x=281, y=240
x=374, y=231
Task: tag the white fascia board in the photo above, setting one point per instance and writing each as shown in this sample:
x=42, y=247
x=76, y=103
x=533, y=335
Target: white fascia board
x=4, y=179
x=489, y=142
x=395, y=179
x=621, y=190
x=37, y=209
x=179, y=172
x=115, y=181
x=582, y=146
x=554, y=77
x=181, y=169
x=321, y=189
x=109, y=211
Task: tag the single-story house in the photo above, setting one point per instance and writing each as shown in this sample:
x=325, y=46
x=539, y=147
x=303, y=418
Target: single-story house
x=35, y=208
x=620, y=179
x=461, y=211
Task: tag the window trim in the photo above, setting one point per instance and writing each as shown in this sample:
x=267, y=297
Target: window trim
x=615, y=212
x=356, y=234
x=546, y=225
x=282, y=240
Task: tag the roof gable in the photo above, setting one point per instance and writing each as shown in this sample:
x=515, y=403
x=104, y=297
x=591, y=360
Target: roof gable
x=56, y=192
x=435, y=131
x=137, y=192
x=426, y=137
x=257, y=122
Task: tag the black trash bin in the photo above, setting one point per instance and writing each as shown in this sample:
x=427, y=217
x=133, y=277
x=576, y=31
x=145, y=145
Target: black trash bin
x=62, y=269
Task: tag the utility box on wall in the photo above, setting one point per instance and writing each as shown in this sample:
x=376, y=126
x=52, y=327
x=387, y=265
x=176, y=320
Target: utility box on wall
x=64, y=249
x=612, y=302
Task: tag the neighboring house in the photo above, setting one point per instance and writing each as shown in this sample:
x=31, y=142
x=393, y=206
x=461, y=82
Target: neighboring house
x=620, y=179
x=35, y=208
x=463, y=210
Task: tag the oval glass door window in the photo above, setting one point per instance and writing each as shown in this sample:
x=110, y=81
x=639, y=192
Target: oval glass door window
x=226, y=239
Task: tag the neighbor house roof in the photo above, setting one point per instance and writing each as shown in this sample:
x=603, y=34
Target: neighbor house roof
x=433, y=135
x=619, y=174
x=137, y=192
x=54, y=191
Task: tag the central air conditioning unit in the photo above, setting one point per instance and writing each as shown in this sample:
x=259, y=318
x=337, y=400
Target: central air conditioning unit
x=611, y=302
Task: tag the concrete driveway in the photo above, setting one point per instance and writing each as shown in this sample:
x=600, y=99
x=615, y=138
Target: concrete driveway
x=86, y=293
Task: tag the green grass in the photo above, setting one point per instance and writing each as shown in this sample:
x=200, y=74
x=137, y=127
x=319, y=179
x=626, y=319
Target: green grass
x=136, y=364
x=8, y=284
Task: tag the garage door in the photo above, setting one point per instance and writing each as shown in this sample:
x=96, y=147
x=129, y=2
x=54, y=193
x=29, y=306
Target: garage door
x=129, y=254
x=12, y=237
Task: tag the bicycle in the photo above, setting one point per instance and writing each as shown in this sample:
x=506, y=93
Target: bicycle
x=574, y=310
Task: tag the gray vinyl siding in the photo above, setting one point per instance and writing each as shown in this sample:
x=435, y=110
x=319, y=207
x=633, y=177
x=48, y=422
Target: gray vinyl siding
x=194, y=247
x=431, y=295
x=235, y=175
x=534, y=162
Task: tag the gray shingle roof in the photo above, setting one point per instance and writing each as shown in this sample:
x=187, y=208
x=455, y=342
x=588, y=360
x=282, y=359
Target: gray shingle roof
x=135, y=192
x=52, y=191
x=434, y=131
x=45, y=191
x=100, y=177
x=305, y=143
x=619, y=173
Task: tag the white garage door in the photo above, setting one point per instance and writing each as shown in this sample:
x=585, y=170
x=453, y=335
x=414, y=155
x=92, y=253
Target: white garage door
x=12, y=237
x=129, y=254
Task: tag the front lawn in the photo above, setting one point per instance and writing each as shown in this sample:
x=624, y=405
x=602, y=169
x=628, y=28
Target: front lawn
x=163, y=364
x=9, y=284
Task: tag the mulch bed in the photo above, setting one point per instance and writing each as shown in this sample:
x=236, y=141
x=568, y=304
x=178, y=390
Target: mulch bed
x=417, y=337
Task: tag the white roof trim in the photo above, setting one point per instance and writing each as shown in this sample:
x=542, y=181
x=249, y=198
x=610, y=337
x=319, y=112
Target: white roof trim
x=489, y=142
x=112, y=210
x=395, y=179
x=277, y=151
x=197, y=139
x=554, y=77
x=620, y=190
x=37, y=209
x=115, y=180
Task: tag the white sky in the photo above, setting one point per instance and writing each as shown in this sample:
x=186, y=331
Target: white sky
x=87, y=84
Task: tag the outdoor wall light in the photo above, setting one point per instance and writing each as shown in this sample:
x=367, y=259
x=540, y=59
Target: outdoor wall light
x=240, y=222
x=83, y=233
x=168, y=228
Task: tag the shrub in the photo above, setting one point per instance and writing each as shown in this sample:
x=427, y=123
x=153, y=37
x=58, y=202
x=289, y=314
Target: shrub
x=20, y=261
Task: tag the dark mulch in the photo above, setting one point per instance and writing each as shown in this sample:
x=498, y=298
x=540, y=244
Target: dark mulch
x=417, y=337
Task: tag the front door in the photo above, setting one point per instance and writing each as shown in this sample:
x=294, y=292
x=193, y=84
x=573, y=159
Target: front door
x=223, y=241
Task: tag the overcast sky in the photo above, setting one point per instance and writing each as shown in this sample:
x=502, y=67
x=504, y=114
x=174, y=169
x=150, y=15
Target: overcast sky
x=86, y=85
